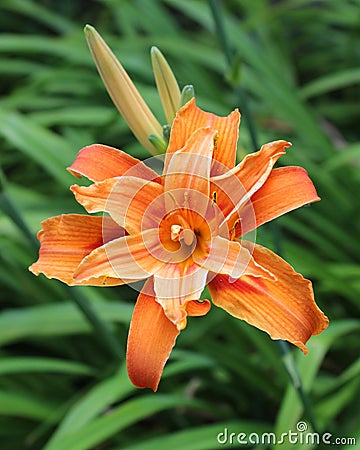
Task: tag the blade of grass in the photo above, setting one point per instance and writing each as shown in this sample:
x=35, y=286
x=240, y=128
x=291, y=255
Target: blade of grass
x=203, y=438
x=12, y=365
x=118, y=419
x=49, y=150
x=331, y=82
x=292, y=408
x=92, y=404
x=22, y=404
x=34, y=11
x=58, y=319
x=9, y=209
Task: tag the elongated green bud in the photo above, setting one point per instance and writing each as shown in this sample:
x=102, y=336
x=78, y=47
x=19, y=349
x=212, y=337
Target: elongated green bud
x=187, y=94
x=166, y=84
x=123, y=92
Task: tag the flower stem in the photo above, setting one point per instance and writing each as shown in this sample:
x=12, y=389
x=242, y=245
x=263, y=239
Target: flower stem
x=292, y=370
x=220, y=28
x=100, y=327
x=288, y=359
x=230, y=56
x=10, y=210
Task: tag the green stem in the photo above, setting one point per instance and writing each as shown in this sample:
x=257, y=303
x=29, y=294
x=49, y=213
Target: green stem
x=294, y=376
x=248, y=117
x=220, y=28
x=10, y=209
x=229, y=53
x=101, y=329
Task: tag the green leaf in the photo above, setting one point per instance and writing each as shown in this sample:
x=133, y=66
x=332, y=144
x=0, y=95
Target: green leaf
x=71, y=48
x=346, y=156
x=75, y=116
x=49, y=150
x=119, y=419
x=22, y=404
x=36, y=12
x=12, y=365
x=207, y=437
x=331, y=82
x=333, y=404
x=308, y=366
x=92, y=404
x=56, y=319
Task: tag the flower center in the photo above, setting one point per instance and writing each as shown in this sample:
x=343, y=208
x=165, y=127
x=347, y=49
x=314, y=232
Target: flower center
x=178, y=233
x=183, y=234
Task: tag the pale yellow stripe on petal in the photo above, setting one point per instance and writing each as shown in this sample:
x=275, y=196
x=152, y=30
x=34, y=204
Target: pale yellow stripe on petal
x=190, y=118
x=189, y=168
x=65, y=240
x=173, y=293
x=230, y=258
x=126, y=199
x=130, y=257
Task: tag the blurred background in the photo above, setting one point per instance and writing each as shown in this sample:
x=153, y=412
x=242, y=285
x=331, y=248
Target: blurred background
x=62, y=386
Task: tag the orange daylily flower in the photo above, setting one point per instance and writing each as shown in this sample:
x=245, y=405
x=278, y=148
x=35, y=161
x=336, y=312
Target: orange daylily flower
x=183, y=230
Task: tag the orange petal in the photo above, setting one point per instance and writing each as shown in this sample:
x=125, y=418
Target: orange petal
x=125, y=199
x=189, y=167
x=284, y=308
x=239, y=184
x=198, y=307
x=98, y=162
x=286, y=188
x=65, y=240
x=151, y=339
x=190, y=118
x=230, y=258
x=173, y=292
x=129, y=257
x=94, y=197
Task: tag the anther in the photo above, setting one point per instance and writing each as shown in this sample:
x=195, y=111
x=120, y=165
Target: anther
x=214, y=197
x=175, y=232
x=233, y=229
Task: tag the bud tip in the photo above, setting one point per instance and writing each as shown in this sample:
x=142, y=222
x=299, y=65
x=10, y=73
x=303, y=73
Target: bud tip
x=88, y=29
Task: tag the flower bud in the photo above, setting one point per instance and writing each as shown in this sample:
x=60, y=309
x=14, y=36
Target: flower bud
x=123, y=92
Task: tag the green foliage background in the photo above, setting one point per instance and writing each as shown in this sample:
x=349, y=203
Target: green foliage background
x=61, y=387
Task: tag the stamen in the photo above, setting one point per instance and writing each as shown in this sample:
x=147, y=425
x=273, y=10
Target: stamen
x=214, y=197
x=179, y=233
x=173, y=198
x=188, y=236
x=186, y=199
x=233, y=229
x=175, y=232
